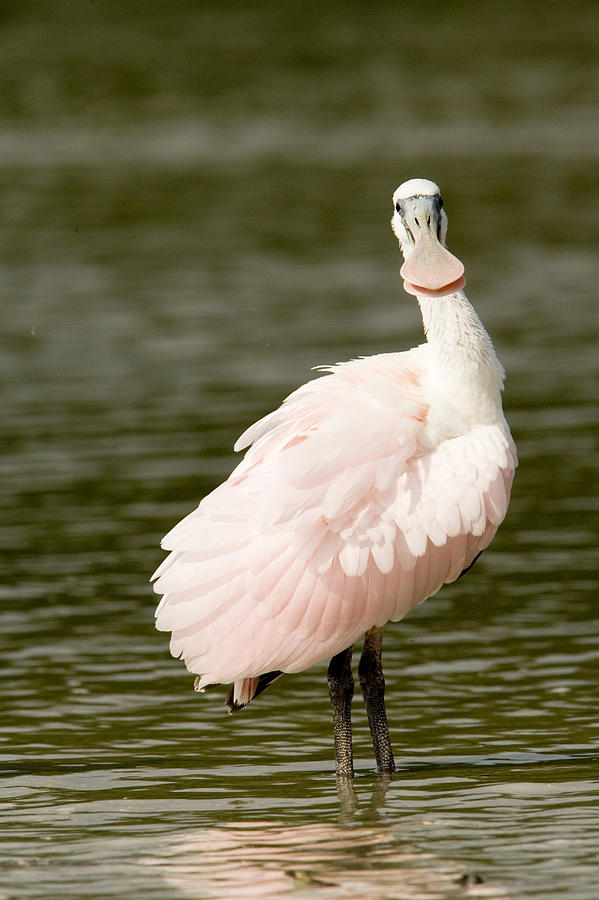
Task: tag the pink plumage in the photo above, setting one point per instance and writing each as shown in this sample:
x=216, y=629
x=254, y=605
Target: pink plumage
x=369, y=488
x=304, y=547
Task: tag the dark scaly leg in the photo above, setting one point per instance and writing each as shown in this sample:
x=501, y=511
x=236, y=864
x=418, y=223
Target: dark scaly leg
x=341, y=691
x=372, y=683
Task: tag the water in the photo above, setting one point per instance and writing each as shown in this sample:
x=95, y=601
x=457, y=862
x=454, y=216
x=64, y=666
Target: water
x=195, y=207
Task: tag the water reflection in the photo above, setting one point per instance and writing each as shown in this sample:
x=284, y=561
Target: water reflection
x=270, y=859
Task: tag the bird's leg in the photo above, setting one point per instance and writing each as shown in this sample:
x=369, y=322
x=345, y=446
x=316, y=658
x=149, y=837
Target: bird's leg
x=341, y=691
x=372, y=683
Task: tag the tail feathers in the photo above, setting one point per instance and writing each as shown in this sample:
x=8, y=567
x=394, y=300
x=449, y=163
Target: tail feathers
x=469, y=566
x=247, y=688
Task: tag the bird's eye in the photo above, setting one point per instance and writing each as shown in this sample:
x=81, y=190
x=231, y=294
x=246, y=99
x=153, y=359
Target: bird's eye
x=398, y=207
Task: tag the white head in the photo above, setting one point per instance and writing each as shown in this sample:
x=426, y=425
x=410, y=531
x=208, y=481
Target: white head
x=420, y=225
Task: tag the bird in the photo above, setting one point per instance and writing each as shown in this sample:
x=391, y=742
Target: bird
x=371, y=486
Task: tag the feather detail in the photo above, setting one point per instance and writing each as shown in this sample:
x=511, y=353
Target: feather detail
x=356, y=500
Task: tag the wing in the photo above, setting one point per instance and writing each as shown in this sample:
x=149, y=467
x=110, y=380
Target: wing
x=327, y=525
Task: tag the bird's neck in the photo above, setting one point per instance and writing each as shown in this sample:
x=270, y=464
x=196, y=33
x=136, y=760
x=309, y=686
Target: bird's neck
x=464, y=365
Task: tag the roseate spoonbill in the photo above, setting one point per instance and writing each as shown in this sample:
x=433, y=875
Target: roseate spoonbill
x=369, y=488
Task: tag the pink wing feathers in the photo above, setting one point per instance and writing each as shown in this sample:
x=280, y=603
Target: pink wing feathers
x=341, y=516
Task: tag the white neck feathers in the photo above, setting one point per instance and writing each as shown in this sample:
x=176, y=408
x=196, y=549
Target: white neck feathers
x=464, y=364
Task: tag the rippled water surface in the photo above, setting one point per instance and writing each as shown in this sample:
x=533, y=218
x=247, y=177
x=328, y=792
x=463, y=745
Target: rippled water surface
x=195, y=205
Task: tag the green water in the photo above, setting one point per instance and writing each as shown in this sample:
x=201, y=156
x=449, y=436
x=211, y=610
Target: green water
x=195, y=204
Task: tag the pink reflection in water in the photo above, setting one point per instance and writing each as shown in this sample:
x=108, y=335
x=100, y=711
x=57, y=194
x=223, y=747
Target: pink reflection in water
x=268, y=860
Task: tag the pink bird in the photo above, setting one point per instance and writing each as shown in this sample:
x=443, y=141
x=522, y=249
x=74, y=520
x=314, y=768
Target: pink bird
x=363, y=493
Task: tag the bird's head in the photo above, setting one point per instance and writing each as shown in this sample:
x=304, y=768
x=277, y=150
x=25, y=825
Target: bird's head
x=420, y=225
